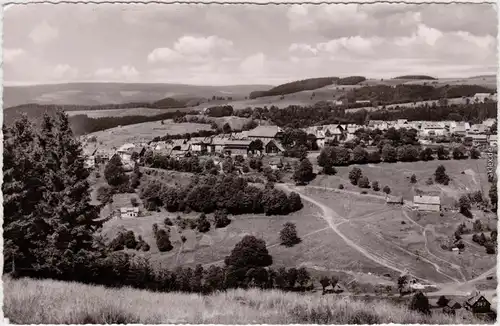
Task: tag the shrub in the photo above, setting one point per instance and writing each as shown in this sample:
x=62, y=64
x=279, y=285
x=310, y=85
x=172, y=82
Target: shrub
x=167, y=221
x=420, y=303
x=386, y=189
x=341, y=186
x=413, y=178
x=375, y=186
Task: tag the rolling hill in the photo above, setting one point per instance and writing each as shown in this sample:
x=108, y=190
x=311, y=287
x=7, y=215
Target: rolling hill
x=116, y=93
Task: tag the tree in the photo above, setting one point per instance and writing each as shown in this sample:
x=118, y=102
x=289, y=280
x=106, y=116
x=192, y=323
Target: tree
x=226, y=128
x=354, y=175
x=363, y=182
x=440, y=175
x=324, y=281
x=294, y=202
x=420, y=303
x=288, y=235
x=48, y=220
x=374, y=157
x=493, y=195
x=360, y=155
x=221, y=219
x=203, y=225
x=129, y=240
x=413, y=178
x=458, y=153
x=249, y=252
x=163, y=241
x=389, y=153
x=442, y=301
x=464, y=205
x=304, y=172
x=426, y=154
x=474, y=153
x=386, y=189
x=114, y=172
x=442, y=153
x=375, y=186
x=136, y=176
x=303, y=277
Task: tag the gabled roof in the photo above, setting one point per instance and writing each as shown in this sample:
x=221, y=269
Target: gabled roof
x=264, y=131
x=434, y=200
x=237, y=142
x=475, y=298
x=453, y=304
x=129, y=209
x=280, y=147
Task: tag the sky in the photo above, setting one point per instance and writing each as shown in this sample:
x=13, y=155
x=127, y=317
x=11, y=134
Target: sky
x=245, y=44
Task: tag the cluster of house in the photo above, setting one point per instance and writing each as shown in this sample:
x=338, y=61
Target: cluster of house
x=428, y=131
x=475, y=303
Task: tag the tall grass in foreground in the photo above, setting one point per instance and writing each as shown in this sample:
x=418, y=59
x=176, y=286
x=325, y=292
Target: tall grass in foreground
x=30, y=301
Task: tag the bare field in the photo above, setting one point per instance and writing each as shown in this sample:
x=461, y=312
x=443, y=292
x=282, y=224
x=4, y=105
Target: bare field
x=144, y=132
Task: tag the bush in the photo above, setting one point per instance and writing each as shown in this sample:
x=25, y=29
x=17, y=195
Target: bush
x=413, y=178
x=387, y=190
x=420, y=303
x=375, y=186
x=341, y=186
x=167, y=221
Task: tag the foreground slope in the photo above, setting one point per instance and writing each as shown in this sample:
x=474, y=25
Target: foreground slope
x=29, y=301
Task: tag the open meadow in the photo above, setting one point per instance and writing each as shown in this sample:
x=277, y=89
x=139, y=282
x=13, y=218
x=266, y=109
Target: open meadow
x=29, y=301
x=144, y=132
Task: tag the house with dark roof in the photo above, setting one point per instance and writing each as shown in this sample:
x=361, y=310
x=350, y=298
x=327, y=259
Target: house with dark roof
x=237, y=146
x=273, y=147
x=477, y=303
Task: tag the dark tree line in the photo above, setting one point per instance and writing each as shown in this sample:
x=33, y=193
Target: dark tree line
x=209, y=193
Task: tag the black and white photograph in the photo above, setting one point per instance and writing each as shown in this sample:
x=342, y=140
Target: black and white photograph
x=194, y=163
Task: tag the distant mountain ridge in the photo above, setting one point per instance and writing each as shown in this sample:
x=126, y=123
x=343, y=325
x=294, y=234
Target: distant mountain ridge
x=117, y=93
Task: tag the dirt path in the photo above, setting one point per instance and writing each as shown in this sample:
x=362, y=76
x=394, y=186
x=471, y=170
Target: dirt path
x=424, y=229
x=330, y=216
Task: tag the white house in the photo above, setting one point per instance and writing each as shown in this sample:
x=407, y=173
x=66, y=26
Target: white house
x=129, y=212
x=493, y=140
x=433, y=129
x=489, y=122
x=427, y=203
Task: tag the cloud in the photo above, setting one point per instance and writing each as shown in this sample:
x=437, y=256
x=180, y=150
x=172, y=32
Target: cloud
x=193, y=49
x=124, y=72
x=64, y=71
x=302, y=49
x=10, y=55
x=43, y=33
x=165, y=55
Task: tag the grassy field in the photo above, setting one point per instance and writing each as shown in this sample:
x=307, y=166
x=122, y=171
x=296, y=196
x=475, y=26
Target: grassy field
x=144, y=132
x=28, y=301
x=397, y=177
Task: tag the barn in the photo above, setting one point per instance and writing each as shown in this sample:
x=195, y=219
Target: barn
x=427, y=203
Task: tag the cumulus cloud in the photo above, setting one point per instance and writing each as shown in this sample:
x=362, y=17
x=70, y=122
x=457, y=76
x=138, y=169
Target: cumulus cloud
x=10, y=55
x=64, y=71
x=193, y=49
x=43, y=33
